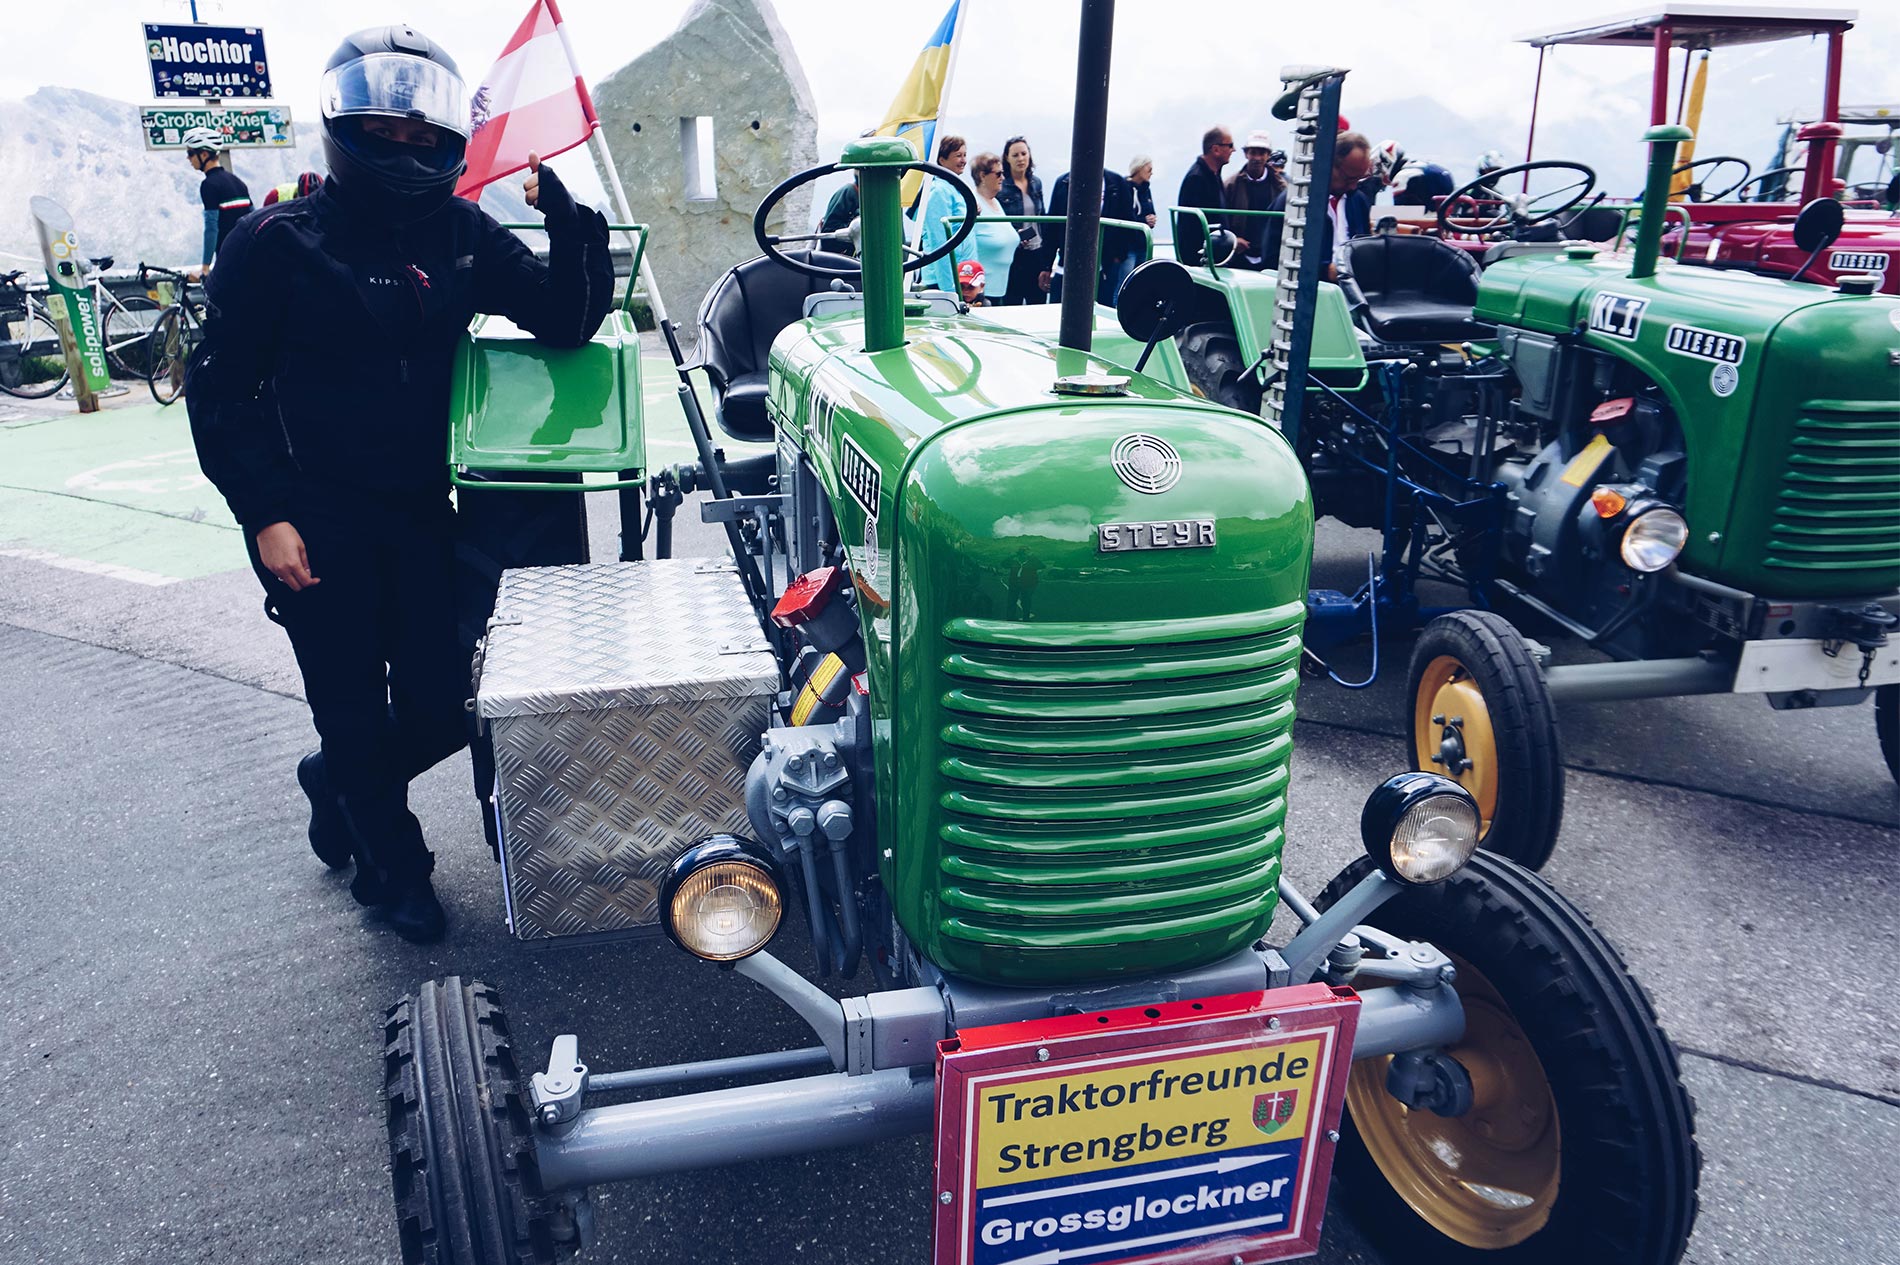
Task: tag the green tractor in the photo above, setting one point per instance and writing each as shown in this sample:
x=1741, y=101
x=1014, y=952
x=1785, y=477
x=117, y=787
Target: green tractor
x=1694, y=472
x=995, y=697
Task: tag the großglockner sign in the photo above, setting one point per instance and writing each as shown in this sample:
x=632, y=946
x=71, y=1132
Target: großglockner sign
x=206, y=61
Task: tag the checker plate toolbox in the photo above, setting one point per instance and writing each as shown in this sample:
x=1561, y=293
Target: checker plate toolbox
x=626, y=702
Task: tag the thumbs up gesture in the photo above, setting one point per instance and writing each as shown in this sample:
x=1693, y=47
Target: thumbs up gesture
x=531, y=188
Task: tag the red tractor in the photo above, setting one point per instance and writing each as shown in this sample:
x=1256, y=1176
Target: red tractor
x=1719, y=215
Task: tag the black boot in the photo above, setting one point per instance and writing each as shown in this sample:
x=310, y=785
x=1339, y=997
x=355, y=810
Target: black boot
x=413, y=912
x=329, y=832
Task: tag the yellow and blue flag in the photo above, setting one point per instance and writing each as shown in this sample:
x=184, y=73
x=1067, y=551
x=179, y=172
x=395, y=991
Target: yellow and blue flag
x=913, y=114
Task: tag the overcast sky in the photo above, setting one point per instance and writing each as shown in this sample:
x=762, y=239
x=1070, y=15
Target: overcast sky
x=855, y=52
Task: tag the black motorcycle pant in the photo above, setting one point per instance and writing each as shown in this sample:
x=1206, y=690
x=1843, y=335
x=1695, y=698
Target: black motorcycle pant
x=375, y=638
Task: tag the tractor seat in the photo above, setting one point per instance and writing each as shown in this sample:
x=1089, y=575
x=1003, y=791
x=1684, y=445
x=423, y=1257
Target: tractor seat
x=1416, y=289
x=742, y=314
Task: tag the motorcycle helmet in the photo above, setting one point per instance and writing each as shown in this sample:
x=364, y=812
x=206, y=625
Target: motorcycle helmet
x=394, y=72
x=1489, y=161
x=1387, y=158
x=198, y=139
x=1421, y=183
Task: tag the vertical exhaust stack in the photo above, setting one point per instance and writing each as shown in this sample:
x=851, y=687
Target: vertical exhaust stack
x=1662, y=140
x=1081, y=237
x=879, y=162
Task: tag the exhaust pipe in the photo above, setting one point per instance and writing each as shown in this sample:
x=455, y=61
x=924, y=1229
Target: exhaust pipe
x=1663, y=140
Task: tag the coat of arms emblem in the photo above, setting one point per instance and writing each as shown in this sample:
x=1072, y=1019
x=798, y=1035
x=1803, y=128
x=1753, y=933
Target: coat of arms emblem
x=1271, y=1111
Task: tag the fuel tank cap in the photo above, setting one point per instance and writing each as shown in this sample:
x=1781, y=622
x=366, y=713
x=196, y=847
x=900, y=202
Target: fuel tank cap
x=1092, y=384
x=1858, y=283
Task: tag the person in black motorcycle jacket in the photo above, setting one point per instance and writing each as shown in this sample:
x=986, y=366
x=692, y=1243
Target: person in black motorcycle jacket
x=319, y=406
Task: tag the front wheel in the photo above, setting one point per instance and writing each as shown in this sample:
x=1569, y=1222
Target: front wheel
x=170, y=348
x=128, y=330
x=1887, y=725
x=1482, y=716
x=1211, y=355
x=34, y=367
x=1579, y=1146
x=461, y=1144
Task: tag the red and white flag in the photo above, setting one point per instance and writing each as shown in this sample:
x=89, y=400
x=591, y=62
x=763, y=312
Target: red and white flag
x=532, y=101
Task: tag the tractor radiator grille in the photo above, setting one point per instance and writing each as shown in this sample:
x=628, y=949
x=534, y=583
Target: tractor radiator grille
x=1102, y=783
x=1839, y=504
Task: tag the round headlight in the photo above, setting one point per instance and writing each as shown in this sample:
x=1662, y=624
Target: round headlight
x=1435, y=838
x=723, y=899
x=1654, y=540
x=1420, y=827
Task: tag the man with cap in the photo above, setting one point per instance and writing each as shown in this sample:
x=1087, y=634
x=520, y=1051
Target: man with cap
x=319, y=406
x=1253, y=188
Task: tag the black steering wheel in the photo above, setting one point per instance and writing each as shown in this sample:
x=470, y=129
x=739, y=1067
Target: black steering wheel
x=917, y=260
x=1698, y=190
x=1763, y=180
x=1516, y=211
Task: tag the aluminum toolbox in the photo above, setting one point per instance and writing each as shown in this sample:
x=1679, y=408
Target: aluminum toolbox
x=626, y=702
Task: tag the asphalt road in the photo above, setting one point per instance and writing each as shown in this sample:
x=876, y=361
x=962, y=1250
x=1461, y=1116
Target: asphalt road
x=191, y=1011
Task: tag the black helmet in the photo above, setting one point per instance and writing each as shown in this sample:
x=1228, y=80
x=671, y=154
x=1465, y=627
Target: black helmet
x=394, y=72
x=1421, y=183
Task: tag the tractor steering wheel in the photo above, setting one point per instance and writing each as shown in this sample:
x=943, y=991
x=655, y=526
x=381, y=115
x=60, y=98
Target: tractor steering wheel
x=1698, y=190
x=918, y=260
x=1517, y=211
x=1761, y=181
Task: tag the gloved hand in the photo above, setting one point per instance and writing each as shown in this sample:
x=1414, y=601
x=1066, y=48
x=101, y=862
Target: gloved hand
x=546, y=193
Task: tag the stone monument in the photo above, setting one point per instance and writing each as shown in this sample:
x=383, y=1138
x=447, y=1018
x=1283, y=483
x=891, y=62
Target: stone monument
x=702, y=126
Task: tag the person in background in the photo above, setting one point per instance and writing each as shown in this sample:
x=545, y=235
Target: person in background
x=971, y=277
x=1117, y=252
x=226, y=199
x=1141, y=170
x=1253, y=188
x=995, y=243
x=1021, y=194
x=334, y=468
x=839, y=212
x=1202, y=187
x=1388, y=158
x=302, y=187
x=940, y=203
x=1348, y=214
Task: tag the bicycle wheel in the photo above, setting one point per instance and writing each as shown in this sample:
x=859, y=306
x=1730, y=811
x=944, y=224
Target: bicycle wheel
x=32, y=366
x=170, y=347
x=128, y=327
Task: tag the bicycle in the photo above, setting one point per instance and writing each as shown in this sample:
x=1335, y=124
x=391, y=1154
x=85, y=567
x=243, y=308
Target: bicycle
x=175, y=334
x=124, y=322
x=31, y=364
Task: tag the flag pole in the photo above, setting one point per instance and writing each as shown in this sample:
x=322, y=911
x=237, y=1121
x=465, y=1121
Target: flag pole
x=936, y=123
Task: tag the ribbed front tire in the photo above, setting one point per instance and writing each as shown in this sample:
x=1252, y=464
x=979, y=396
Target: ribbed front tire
x=461, y=1141
x=1589, y=1130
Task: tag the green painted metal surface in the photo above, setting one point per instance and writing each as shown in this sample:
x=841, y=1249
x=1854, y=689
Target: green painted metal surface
x=1094, y=745
x=1249, y=299
x=516, y=404
x=1794, y=451
x=1109, y=342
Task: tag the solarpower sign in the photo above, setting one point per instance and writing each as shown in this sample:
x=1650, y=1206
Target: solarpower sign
x=76, y=305
x=189, y=60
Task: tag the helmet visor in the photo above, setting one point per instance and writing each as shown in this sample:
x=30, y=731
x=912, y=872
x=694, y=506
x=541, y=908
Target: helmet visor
x=397, y=85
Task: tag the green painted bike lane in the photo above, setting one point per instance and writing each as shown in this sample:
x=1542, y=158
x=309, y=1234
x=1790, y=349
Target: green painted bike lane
x=119, y=492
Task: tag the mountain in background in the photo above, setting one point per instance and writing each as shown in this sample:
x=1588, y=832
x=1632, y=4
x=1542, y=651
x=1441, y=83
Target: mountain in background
x=87, y=153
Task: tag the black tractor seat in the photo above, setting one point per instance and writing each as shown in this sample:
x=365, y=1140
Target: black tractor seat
x=1414, y=289
x=742, y=314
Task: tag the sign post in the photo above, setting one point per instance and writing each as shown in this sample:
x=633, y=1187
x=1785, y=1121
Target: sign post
x=75, y=306
x=244, y=127
x=206, y=61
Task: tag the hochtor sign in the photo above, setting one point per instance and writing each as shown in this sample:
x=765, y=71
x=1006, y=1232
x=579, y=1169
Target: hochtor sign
x=207, y=61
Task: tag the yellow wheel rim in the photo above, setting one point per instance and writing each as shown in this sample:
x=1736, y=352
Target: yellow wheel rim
x=1450, y=720
x=1488, y=1178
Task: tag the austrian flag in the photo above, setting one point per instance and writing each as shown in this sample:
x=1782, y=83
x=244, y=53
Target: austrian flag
x=532, y=101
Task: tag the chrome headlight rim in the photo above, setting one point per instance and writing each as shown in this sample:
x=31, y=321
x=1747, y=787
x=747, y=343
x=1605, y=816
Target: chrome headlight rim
x=1405, y=798
x=714, y=850
x=1642, y=523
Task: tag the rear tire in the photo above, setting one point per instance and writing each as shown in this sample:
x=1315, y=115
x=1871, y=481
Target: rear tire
x=461, y=1141
x=1606, y=1100
x=128, y=332
x=26, y=331
x=1887, y=725
x=1212, y=357
x=1474, y=667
